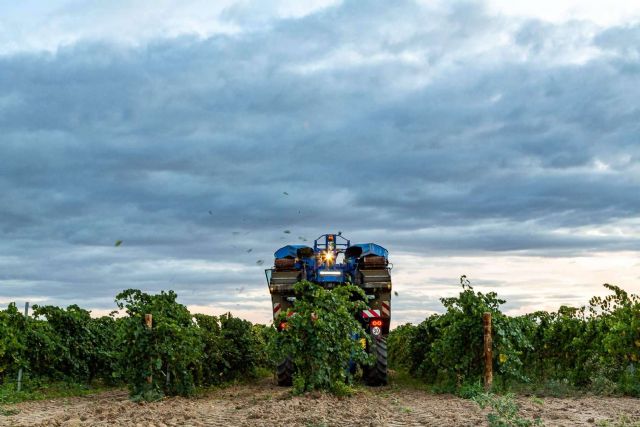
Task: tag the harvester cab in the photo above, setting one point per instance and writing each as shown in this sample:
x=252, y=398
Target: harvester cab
x=333, y=261
x=326, y=249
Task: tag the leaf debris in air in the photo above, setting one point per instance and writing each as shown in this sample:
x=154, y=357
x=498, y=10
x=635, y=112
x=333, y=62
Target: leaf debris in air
x=259, y=262
x=285, y=193
x=249, y=250
x=287, y=232
x=395, y=293
x=118, y=243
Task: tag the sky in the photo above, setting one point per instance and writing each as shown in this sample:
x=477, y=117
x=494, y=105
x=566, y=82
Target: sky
x=497, y=139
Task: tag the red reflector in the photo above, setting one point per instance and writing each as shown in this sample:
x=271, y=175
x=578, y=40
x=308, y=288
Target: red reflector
x=330, y=237
x=283, y=325
x=376, y=322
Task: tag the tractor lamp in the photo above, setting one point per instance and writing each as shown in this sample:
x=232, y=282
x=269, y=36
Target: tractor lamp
x=330, y=273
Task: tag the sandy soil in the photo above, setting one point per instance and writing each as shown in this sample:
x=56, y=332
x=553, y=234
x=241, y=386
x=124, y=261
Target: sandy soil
x=264, y=404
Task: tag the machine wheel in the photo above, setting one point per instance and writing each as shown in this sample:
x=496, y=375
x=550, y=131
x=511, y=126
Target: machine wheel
x=284, y=372
x=376, y=375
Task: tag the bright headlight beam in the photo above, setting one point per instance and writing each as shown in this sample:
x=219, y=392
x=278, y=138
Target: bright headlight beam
x=330, y=273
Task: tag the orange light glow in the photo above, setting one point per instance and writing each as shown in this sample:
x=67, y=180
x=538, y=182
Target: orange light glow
x=376, y=323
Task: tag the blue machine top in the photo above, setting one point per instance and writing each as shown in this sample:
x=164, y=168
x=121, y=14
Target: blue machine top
x=291, y=251
x=372, y=249
x=288, y=251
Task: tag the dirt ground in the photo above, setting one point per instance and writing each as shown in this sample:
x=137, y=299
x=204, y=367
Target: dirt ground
x=264, y=404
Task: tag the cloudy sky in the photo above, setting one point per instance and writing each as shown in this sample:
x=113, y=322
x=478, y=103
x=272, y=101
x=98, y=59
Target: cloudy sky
x=496, y=139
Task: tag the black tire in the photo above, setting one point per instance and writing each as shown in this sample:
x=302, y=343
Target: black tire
x=284, y=372
x=376, y=375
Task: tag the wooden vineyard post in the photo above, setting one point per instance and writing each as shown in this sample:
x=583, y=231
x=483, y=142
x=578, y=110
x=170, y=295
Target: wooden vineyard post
x=148, y=320
x=488, y=353
x=26, y=319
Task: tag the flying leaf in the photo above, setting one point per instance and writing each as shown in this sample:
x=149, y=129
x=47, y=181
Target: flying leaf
x=259, y=262
x=249, y=250
x=285, y=193
x=395, y=293
x=287, y=232
x=118, y=243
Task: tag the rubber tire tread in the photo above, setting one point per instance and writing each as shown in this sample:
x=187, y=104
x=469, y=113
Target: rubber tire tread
x=284, y=372
x=377, y=375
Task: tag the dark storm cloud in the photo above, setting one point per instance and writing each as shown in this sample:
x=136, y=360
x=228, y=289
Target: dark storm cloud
x=393, y=123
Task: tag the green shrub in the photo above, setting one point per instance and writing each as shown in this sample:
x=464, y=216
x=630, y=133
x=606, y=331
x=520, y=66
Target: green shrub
x=321, y=337
x=595, y=348
x=263, y=335
x=399, y=346
x=233, y=348
x=505, y=412
x=12, y=341
x=447, y=350
x=208, y=371
x=70, y=345
x=170, y=352
x=47, y=353
x=469, y=390
x=238, y=347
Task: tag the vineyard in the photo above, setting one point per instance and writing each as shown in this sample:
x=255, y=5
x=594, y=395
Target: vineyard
x=595, y=348
x=179, y=352
x=157, y=348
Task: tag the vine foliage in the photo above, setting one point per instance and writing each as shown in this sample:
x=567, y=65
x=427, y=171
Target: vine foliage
x=596, y=346
x=322, y=337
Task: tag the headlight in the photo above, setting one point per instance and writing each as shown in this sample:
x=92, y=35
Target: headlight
x=330, y=273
